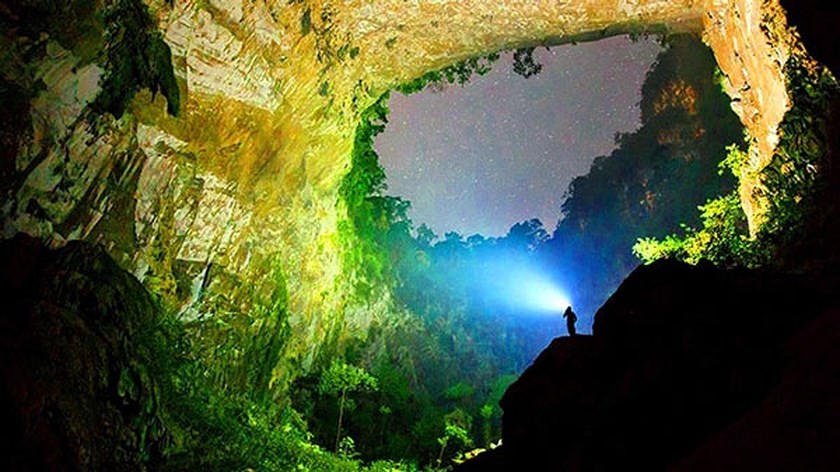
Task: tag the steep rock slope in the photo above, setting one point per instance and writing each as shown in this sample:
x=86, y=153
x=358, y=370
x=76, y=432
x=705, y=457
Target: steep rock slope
x=676, y=355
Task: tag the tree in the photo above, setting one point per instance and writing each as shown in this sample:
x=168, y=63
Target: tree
x=526, y=235
x=340, y=379
x=486, y=412
x=456, y=426
x=425, y=236
x=524, y=63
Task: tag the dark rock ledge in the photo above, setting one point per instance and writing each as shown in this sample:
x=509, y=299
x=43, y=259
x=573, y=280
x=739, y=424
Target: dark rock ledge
x=688, y=368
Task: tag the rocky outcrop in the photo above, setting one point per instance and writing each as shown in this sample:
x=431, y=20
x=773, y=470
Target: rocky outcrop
x=77, y=385
x=752, y=44
x=271, y=92
x=688, y=368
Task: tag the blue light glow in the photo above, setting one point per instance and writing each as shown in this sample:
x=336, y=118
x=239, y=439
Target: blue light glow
x=541, y=295
x=524, y=289
x=535, y=292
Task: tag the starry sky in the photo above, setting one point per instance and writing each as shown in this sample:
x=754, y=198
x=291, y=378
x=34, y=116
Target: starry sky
x=503, y=149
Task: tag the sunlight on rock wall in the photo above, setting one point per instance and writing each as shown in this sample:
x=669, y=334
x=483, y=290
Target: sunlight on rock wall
x=752, y=43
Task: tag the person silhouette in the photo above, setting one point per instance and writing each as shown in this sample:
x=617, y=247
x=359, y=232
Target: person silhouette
x=571, y=319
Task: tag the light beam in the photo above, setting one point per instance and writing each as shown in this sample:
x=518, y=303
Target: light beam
x=525, y=289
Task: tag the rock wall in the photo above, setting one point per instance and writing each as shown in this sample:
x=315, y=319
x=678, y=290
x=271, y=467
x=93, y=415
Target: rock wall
x=752, y=44
x=197, y=206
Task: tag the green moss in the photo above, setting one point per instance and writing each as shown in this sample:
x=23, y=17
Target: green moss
x=306, y=22
x=135, y=57
x=459, y=73
x=371, y=214
x=794, y=177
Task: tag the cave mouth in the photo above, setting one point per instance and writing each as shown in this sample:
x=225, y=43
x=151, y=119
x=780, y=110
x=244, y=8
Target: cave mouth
x=472, y=327
x=503, y=147
x=614, y=141
x=224, y=394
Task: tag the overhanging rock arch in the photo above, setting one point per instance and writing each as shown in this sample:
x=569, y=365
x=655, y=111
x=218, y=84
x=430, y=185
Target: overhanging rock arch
x=246, y=178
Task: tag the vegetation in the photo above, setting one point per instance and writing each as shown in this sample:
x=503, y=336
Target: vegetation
x=724, y=236
x=421, y=373
x=524, y=63
x=459, y=73
x=792, y=181
x=425, y=384
x=135, y=57
x=723, y=239
x=374, y=218
x=456, y=425
x=454, y=344
x=791, y=184
x=652, y=184
x=219, y=405
x=340, y=379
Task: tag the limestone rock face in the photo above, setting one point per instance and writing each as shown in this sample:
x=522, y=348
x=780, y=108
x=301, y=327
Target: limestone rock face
x=247, y=174
x=752, y=44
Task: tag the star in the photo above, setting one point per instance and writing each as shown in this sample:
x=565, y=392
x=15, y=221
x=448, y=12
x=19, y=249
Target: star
x=503, y=149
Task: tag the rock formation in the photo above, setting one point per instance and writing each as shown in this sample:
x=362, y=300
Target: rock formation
x=77, y=380
x=271, y=92
x=688, y=368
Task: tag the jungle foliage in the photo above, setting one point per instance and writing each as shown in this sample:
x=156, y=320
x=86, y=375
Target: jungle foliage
x=423, y=386
x=424, y=363
x=219, y=400
x=652, y=184
x=459, y=73
x=524, y=63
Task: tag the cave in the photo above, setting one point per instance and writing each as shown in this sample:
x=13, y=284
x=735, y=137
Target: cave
x=175, y=190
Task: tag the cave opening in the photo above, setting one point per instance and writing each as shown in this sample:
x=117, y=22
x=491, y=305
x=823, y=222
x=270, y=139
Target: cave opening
x=616, y=140
x=503, y=148
x=486, y=304
x=333, y=330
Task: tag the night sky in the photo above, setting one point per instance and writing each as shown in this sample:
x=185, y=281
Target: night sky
x=503, y=149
